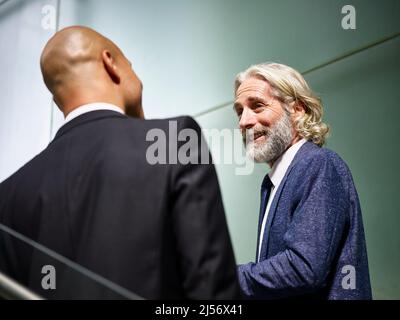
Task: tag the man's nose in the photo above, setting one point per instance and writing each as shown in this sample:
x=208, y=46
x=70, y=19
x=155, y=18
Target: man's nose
x=247, y=120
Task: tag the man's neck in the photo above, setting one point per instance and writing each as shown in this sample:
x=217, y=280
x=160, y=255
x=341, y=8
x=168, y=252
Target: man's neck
x=76, y=112
x=296, y=139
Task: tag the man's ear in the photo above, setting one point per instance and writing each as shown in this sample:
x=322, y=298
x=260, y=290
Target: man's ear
x=298, y=110
x=110, y=66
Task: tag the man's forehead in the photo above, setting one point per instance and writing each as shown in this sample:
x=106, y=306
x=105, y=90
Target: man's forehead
x=253, y=89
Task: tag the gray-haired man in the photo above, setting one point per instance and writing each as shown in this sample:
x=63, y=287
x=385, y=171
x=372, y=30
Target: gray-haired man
x=310, y=240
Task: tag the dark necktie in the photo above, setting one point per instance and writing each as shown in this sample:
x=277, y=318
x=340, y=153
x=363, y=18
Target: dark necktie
x=266, y=187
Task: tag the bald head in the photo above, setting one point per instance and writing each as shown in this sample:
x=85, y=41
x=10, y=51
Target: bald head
x=71, y=50
x=80, y=66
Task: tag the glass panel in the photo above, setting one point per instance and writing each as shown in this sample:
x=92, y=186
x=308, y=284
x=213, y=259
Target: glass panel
x=50, y=275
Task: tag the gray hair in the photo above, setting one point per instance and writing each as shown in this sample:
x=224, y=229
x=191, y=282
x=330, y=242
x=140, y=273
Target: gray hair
x=290, y=88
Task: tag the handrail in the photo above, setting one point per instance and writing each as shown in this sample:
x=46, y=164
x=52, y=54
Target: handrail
x=11, y=290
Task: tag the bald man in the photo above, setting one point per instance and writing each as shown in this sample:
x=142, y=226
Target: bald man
x=91, y=195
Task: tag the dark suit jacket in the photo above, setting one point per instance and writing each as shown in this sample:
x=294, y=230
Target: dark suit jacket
x=157, y=230
x=313, y=236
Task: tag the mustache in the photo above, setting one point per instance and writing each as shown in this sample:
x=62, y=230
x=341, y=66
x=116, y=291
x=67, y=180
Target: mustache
x=249, y=135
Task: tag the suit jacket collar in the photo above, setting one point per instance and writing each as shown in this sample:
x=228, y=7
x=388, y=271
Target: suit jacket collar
x=282, y=164
x=85, y=118
x=305, y=149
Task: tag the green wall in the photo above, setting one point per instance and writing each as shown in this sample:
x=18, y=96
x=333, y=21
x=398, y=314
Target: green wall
x=188, y=52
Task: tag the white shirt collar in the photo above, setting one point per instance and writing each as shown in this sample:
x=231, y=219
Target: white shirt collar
x=91, y=107
x=281, y=165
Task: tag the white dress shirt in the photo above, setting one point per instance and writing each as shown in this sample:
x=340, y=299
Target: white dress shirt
x=276, y=175
x=91, y=107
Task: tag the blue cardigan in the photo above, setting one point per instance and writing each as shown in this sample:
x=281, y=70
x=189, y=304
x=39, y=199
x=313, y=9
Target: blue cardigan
x=314, y=243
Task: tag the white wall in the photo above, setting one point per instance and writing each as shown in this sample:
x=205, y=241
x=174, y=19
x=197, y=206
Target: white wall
x=25, y=103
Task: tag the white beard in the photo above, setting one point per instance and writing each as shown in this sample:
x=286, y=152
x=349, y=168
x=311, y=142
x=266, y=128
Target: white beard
x=277, y=140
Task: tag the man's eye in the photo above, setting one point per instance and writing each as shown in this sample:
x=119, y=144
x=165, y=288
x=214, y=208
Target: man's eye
x=259, y=107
